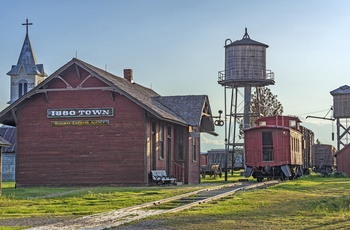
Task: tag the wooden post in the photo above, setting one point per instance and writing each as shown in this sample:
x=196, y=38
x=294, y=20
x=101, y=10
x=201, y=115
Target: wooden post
x=183, y=173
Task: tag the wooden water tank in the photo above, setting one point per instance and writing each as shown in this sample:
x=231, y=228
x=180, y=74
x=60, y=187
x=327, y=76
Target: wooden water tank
x=341, y=102
x=245, y=63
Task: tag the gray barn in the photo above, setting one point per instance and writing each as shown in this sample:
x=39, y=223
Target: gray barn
x=8, y=153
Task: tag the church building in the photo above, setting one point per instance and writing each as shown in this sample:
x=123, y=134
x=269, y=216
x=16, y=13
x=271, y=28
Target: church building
x=85, y=126
x=27, y=73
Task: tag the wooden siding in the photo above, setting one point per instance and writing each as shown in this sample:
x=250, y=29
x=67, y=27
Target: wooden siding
x=283, y=152
x=343, y=160
x=181, y=143
x=323, y=155
x=80, y=155
x=204, y=159
x=296, y=148
x=8, y=166
x=194, y=158
x=120, y=151
x=278, y=120
x=308, y=136
x=341, y=106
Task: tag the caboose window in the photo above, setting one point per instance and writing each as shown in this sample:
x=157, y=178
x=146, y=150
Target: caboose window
x=293, y=124
x=262, y=123
x=267, y=146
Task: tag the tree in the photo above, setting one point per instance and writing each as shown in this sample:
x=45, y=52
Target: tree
x=263, y=103
x=268, y=105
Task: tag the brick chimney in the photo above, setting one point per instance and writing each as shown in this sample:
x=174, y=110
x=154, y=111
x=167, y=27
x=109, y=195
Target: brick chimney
x=128, y=75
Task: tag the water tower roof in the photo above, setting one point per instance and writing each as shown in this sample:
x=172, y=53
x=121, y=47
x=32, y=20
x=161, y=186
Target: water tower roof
x=246, y=41
x=345, y=89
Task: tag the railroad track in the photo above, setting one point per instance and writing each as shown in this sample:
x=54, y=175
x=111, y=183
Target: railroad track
x=169, y=205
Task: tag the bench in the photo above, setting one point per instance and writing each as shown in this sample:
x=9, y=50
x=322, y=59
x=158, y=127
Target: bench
x=160, y=177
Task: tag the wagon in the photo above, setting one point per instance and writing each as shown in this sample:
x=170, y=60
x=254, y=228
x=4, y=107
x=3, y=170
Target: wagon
x=211, y=170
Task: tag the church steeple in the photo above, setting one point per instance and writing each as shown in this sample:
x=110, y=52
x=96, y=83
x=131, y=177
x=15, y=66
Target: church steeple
x=27, y=73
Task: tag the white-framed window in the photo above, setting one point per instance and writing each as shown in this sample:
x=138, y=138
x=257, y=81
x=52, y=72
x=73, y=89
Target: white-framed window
x=22, y=88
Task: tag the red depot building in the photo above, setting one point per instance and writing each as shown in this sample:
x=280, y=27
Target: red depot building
x=85, y=126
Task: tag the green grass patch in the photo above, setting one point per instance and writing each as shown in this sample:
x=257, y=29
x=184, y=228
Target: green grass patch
x=311, y=202
x=58, y=202
x=232, y=177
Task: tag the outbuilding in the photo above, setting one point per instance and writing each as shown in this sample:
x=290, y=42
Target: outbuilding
x=85, y=126
x=3, y=143
x=343, y=160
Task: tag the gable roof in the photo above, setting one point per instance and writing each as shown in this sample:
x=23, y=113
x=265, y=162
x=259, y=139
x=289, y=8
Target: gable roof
x=190, y=108
x=164, y=108
x=194, y=109
x=8, y=133
x=342, y=150
x=4, y=143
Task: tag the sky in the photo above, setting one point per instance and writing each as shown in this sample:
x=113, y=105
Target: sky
x=176, y=47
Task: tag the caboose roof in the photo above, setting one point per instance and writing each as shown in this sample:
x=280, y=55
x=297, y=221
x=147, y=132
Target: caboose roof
x=267, y=127
x=187, y=110
x=278, y=118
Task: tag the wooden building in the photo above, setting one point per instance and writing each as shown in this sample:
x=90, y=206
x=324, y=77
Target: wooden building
x=8, y=153
x=3, y=143
x=218, y=156
x=85, y=126
x=323, y=157
x=343, y=160
x=341, y=113
x=308, y=143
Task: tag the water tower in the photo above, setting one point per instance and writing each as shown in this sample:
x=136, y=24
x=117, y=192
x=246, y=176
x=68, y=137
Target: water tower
x=245, y=67
x=341, y=112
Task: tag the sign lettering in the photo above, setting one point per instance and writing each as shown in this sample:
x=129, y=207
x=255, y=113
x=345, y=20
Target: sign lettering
x=78, y=112
x=80, y=123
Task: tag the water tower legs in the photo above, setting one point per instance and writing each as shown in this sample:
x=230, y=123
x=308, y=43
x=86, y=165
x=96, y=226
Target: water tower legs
x=247, y=99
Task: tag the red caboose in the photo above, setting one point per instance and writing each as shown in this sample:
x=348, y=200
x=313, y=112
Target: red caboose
x=273, y=148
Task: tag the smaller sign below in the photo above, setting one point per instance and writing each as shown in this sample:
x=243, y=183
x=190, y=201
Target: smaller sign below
x=80, y=123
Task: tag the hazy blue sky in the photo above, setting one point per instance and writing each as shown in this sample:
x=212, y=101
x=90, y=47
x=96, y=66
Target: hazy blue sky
x=176, y=47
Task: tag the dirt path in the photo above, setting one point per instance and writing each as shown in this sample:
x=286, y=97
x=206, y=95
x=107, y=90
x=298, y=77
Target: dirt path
x=100, y=221
x=115, y=218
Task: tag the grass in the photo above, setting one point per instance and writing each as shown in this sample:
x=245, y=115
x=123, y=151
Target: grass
x=78, y=201
x=310, y=202
x=307, y=203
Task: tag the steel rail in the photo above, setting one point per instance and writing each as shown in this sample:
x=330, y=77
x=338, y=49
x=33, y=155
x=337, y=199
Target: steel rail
x=216, y=197
x=125, y=215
